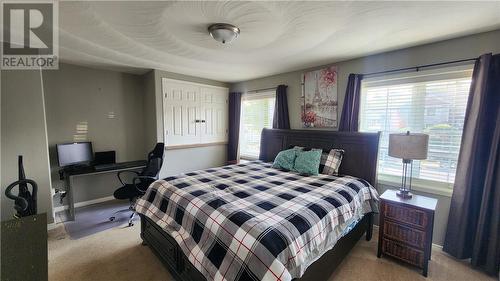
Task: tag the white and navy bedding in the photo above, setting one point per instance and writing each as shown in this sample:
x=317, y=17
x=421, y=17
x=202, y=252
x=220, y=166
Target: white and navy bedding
x=253, y=222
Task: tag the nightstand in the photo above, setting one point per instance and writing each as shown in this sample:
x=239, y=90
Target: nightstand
x=405, y=228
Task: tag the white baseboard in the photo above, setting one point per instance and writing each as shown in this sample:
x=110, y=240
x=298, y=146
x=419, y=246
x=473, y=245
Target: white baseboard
x=437, y=246
x=51, y=226
x=84, y=203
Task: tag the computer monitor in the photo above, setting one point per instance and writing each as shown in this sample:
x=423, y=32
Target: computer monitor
x=105, y=157
x=76, y=153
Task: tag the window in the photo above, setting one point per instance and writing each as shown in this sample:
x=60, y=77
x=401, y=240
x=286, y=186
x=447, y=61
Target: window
x=257, y=110
x=431, y=102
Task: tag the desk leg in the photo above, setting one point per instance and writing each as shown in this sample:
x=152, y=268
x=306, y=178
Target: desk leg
x=71, y=201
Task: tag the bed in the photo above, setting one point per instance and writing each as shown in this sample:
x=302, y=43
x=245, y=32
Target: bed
x=250, y=221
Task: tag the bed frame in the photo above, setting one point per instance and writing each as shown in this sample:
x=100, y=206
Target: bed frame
x=361, y=149
x=360, y=160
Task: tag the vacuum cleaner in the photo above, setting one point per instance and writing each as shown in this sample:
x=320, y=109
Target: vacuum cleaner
x=24, y=201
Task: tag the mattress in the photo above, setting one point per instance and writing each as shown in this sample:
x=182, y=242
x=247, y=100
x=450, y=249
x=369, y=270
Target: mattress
x=253, y=222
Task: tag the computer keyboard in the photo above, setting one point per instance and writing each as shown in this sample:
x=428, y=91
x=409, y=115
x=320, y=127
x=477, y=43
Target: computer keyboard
x=123, y=165
x=102, y=167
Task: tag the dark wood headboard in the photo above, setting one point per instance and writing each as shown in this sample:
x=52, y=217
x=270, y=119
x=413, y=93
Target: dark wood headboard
x=361, y=149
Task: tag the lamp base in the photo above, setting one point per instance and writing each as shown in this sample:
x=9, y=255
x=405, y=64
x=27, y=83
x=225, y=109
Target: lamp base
x=405, y=194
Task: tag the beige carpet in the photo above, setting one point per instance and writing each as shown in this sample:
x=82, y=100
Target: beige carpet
x=117, y=254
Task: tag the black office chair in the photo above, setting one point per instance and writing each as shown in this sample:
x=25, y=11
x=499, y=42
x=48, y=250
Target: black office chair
x=140, y=182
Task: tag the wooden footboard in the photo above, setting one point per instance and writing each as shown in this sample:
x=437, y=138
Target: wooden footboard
x=171, y=255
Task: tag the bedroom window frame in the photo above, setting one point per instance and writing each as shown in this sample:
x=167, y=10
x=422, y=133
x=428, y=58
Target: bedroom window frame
x=255, y=96
x=416, y=80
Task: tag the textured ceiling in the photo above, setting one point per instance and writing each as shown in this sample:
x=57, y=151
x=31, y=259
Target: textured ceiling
x=275, y=37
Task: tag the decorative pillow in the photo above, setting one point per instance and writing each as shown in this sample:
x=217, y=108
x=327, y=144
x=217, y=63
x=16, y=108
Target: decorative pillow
x=285, y=159
x=333, y=162
x=324, y=156
x=307, y=162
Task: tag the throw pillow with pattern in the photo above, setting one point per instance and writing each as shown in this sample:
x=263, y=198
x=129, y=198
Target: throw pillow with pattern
x=324, y=156
x=307, y=162
x=333, y=161
x=285, y=159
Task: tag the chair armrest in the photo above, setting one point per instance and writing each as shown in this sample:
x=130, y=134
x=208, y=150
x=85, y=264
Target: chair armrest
x=136, y=179
x=127, y=171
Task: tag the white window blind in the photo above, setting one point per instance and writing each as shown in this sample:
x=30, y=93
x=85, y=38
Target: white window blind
x=431, y=102
x=257, y=110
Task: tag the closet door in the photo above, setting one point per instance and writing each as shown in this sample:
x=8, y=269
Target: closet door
x=181, y=113
x=214, y=112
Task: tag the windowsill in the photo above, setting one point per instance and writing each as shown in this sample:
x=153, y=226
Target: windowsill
x=432, y=187
x=249, y=158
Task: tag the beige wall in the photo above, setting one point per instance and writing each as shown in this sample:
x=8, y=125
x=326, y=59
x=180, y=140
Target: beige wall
x=75, y=94
x=23, y=132
x=180, y=160
x=150, y=125
x=455, y=49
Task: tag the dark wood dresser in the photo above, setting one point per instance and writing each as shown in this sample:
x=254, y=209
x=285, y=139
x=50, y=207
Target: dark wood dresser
x=405, y=228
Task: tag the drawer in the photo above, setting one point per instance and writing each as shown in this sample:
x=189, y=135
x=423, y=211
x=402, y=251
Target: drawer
x=411, y=216
x=411, y=236
x=189, y=272
x=403, y=252
x=165, y=246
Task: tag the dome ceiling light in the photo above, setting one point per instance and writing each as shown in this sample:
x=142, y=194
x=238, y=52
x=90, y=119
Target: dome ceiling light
x=223, y=32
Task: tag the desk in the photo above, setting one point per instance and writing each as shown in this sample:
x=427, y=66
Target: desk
x=70, y=174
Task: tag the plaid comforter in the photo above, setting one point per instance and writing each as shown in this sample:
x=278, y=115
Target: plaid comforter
x=253, y=222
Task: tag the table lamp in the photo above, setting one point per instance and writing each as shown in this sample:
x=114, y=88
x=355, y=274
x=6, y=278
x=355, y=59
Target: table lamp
x=408, y=147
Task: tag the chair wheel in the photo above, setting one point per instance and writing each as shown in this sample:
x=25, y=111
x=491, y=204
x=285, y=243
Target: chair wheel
x=130, y=224
x=111, y=218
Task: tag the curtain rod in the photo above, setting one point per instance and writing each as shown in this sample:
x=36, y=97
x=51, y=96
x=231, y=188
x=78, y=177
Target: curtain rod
x=417, y=68
x=261, y=90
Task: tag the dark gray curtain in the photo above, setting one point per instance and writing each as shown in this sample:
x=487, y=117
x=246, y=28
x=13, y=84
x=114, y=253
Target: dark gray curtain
x=474, y=220
x=350, y=110
x=281, y=120
x=234, y=126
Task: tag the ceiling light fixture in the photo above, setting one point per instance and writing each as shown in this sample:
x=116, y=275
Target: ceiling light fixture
x=223, y=32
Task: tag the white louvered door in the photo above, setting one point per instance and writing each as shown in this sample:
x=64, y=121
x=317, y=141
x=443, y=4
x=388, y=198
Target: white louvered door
x=181, y=113
x=214, y=113
x=194, y=113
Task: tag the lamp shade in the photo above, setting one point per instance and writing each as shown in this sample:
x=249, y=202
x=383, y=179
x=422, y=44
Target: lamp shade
x=408, y=146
